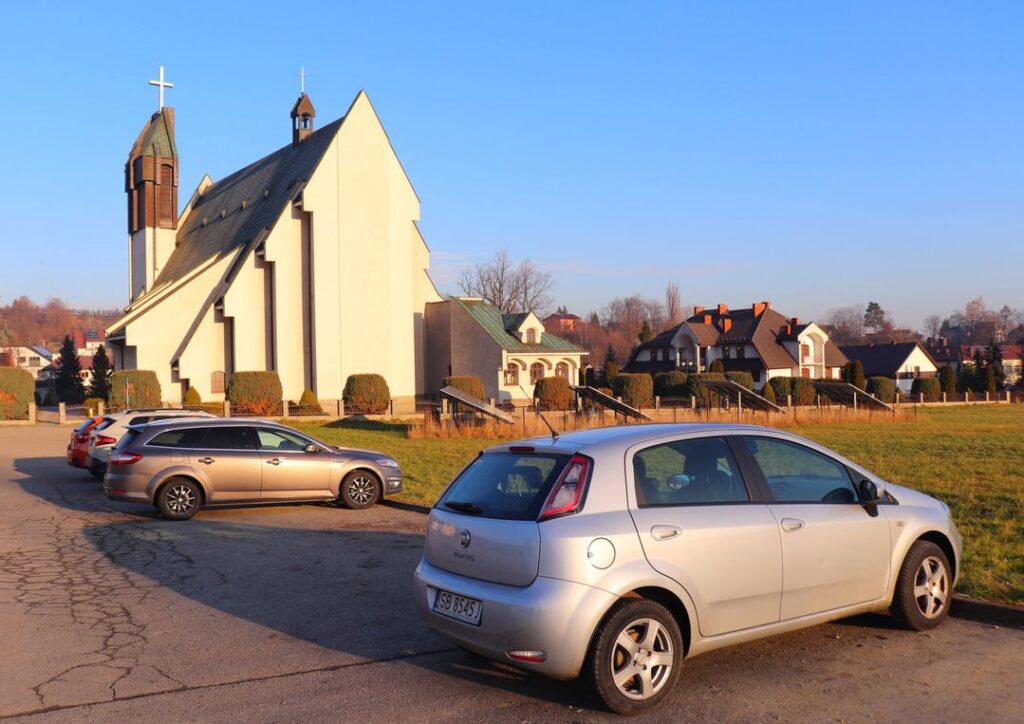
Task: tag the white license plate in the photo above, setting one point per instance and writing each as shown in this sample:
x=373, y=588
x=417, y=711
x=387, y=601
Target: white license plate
x=458, y=607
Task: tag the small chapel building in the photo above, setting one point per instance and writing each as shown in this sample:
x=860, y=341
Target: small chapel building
x=307, y=261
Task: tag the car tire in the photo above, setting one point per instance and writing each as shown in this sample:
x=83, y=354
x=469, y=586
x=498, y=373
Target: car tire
x=96, y=473
x=359, y=489
x=924, y=588
x=179, y=499
x=633, y=633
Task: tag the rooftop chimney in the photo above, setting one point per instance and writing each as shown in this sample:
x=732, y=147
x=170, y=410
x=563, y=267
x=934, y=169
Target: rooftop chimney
x=707, y=319
x=723, y=308
x=697, y=310
x=759, y=308
x=726, y=324
x=795, y=321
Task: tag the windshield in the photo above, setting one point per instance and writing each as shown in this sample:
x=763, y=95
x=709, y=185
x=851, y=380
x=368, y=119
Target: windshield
x=107, y=422
x=84, y=426
x=508, y=486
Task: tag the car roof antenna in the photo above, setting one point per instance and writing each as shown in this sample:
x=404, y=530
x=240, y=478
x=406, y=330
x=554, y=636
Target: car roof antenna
x=554, y=432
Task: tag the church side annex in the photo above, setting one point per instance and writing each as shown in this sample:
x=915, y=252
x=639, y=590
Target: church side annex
x=308, y=262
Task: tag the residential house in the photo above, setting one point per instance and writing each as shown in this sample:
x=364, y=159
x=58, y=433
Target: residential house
x=562, y=323
x=508, y=352
x=31, y=359
x=958, y=355
x=46, y=381
x=902, y=362
x=755, y=339
x=87, y=341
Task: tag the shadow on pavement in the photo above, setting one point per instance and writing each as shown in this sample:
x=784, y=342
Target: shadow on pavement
x=348, y=590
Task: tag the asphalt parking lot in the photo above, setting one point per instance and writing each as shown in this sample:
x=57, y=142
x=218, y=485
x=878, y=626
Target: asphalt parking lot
x=288, y=613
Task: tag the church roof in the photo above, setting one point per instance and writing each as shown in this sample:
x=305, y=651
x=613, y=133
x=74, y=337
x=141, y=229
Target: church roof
x=498, y=326
x=156, y=137
x=235, y=210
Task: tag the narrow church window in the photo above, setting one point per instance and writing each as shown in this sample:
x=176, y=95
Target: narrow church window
x=536, y=372
x=217, y=382
x=166, y=202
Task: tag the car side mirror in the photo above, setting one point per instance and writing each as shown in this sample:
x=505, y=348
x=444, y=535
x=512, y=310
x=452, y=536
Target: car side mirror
x=311, y=448
x=868, y=492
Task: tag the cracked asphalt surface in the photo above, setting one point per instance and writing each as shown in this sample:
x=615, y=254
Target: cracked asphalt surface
x=287, y=613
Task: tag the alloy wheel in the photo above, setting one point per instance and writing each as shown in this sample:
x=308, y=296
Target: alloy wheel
x=641, y=659
x=181, y=499
x=931, y=587
x=361, y=490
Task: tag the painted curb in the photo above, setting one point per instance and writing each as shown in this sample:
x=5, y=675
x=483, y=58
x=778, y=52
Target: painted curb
x=998, y=614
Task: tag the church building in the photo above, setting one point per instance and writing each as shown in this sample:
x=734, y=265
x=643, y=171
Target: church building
x=307, y=261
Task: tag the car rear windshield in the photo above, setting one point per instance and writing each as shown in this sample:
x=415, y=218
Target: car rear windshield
x=107, y=422
x=84, y=426
x=508, y=486
x=127, y=439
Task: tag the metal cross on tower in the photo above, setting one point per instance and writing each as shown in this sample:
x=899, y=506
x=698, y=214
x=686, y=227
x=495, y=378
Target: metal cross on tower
x=302, y=80
x=161, y=84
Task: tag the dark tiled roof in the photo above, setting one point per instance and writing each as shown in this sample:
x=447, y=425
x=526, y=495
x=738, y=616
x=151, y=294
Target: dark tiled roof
x=658, y=341
x=497, y=325
x=881, y=359
x=156, y=139
x=233, y=211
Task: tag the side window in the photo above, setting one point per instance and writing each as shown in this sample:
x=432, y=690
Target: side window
x=177, y=438
x=229, y=438
x=280, y=440
x=688, y=472
x=797, y=474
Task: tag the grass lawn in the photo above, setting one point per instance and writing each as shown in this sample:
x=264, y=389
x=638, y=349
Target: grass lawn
x=970, y=457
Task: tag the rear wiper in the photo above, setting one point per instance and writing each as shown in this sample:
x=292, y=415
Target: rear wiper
x=471, y=508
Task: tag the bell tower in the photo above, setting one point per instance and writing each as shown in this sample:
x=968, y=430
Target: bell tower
x=151, y=182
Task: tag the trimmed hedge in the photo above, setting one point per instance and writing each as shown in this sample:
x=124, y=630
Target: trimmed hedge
x=192, y=396
x=366, y=394
x=143, y=389
x=947, y=379
x=882, y=388
x=254, y=392
x=696, y=388
x=768, y=393
x=853, y=372
x=636, y=390
x=470, y=384
x=308, y=398
x=17, y=391
x=670, y=384
x=927, y=386
x=781, y=386
x=717, y=367
x=744, y=379
x=553, y=393
x=91, y=405
x=802, y=391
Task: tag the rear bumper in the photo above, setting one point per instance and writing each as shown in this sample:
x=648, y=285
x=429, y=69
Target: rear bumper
x=550, y=615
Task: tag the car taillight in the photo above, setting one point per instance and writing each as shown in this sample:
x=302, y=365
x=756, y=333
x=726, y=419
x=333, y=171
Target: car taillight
x=566, y=496
x=104, y=440
x=123, y=458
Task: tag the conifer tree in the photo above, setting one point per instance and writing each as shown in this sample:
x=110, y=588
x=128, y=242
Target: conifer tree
x=69, y=380
x=99, y=382
x=645, y=332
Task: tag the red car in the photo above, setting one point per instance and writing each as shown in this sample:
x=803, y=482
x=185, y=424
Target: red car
x=78, y=446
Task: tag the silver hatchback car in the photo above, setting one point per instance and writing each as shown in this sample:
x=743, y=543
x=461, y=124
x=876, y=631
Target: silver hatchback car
x=618, y=552
x=182, y=465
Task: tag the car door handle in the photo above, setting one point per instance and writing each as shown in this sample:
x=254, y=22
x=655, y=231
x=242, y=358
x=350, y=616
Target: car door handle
x=205, y=461
x=274, y=461
x=664, y=532
x=791, y=524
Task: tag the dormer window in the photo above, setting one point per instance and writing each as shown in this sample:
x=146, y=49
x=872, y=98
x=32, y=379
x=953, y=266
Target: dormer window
x=531, y=336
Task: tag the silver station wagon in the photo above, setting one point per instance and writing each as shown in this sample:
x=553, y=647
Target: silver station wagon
x=182, y=465
x=616, y=553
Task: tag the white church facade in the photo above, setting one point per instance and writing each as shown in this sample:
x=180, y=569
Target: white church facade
x=308, y=262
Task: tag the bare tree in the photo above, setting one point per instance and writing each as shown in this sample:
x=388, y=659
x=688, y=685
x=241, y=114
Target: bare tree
x=510, y=287
x=933, y=325
x=847, y=324
x=673, y=304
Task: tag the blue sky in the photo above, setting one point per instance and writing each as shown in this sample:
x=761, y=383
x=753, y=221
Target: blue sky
x=814, y=154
